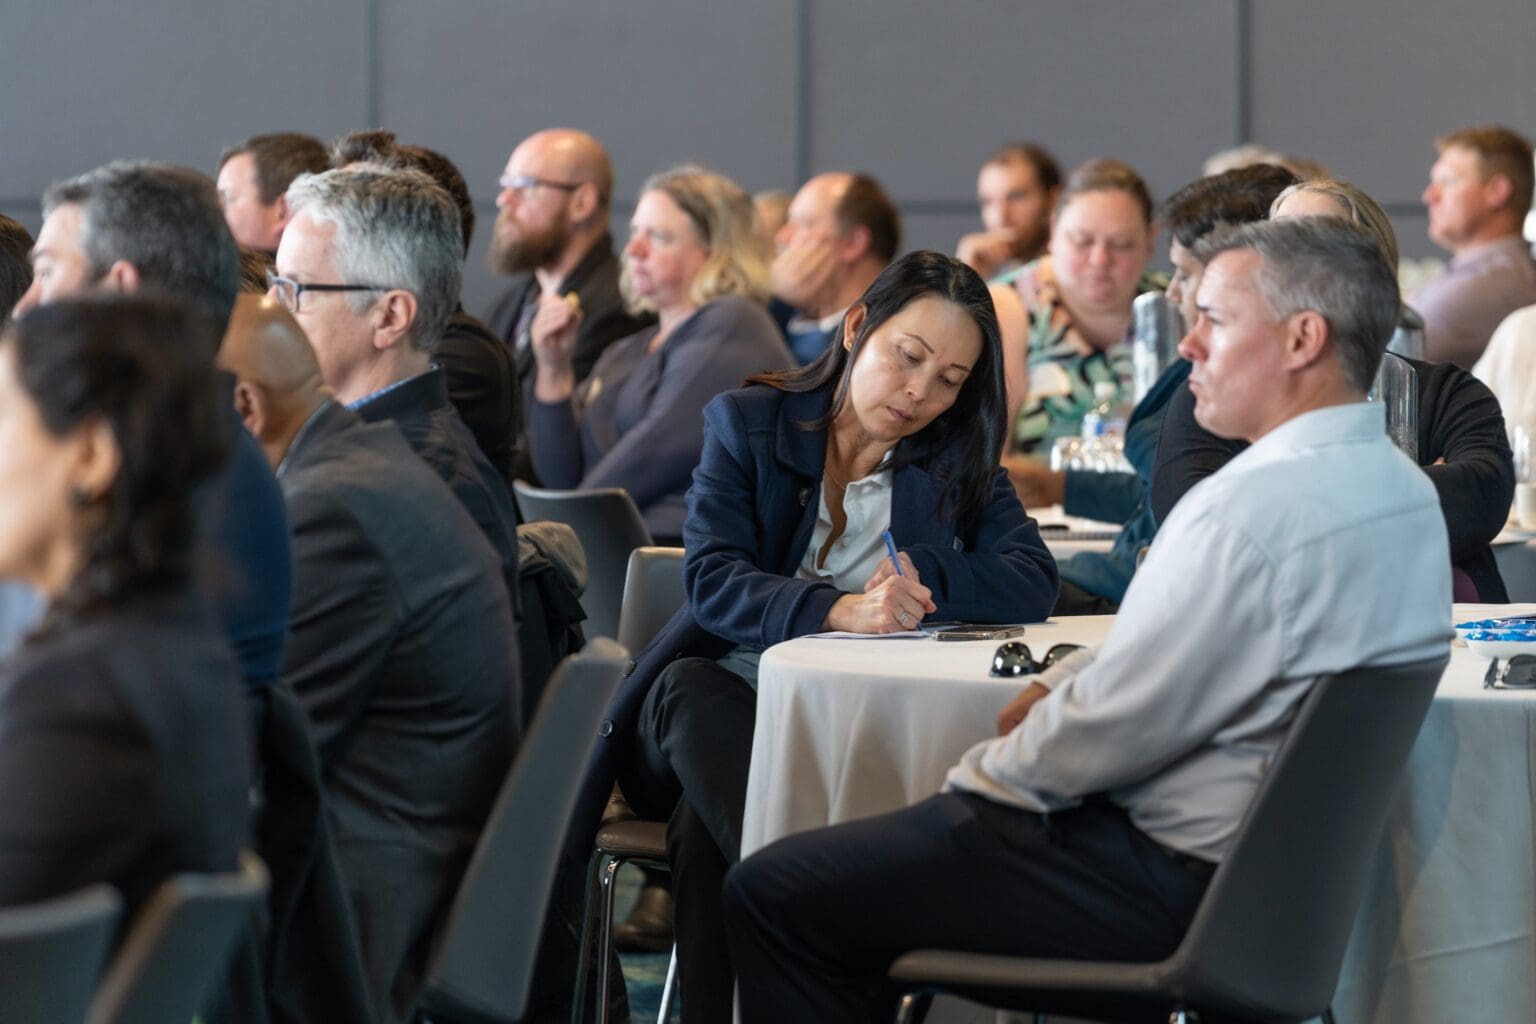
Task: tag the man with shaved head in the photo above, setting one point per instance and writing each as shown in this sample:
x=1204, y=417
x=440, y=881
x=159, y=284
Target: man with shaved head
x=551, y=236
x=402, y=648
x=841, y=232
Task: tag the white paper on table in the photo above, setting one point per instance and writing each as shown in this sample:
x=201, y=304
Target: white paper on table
x=906, y=634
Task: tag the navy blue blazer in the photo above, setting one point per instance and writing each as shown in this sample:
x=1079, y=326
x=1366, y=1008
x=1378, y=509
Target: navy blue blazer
x=751, y=512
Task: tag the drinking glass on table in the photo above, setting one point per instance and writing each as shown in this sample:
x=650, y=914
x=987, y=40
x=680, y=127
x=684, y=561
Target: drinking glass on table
x=1525, y=486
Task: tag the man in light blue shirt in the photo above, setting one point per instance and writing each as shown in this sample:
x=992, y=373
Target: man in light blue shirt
x=1094, y=821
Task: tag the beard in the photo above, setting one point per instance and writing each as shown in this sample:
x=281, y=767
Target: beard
x=1030, y=242
x=515, y=249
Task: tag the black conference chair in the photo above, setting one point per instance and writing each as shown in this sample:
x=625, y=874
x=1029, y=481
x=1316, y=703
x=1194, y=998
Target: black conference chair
x=482, y=968
x=653, y=591
x=51, y=954
x=1268, y=940
x=609, y=527
x=179, y=946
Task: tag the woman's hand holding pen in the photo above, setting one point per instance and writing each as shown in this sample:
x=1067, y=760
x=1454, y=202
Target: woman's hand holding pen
x=894, y=604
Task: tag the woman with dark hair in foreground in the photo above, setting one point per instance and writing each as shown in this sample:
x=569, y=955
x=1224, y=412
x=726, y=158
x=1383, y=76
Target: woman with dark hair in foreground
x=899, y=425
x=123, y=733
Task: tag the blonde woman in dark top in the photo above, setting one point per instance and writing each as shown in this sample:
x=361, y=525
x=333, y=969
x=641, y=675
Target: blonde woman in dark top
x=637, y=421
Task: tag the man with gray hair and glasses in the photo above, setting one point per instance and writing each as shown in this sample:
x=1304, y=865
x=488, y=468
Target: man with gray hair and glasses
x=1118, y=778
x=369, y=266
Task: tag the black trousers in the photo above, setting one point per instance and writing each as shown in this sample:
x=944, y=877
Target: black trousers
x=1072, y=599
x=816, y=919
x=694, y=748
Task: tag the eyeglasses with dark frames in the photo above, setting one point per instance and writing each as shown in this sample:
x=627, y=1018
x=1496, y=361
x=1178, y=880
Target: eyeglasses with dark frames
x=1517, y=673
x=521, y=183
x=1014, y=658
x=289, y=292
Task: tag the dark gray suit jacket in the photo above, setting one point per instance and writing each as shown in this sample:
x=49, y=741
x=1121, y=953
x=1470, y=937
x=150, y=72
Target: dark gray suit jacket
x=124, y=752
x=419, y=407
x=403, y=652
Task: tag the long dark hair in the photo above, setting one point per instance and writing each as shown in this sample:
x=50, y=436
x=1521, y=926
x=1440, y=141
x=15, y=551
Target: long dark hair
x=964, y=444
x=143, y=366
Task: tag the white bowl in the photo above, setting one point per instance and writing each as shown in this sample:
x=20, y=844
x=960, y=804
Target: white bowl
x=1502, y=648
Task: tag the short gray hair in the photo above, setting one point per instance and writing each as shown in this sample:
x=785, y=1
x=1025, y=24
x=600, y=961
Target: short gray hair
x=1330, y=267
x=164, y=220
x=395, y=228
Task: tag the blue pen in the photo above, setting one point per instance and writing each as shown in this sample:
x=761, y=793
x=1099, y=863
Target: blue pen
x=890, y=546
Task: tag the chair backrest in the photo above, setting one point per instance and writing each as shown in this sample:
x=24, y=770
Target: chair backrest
x=179, y=946
x=609, y=527
x=51, y=954
x=1269, y=937
x=483, y=966
x=653, y=591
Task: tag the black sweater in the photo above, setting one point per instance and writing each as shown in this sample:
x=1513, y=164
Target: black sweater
x=1459, y=422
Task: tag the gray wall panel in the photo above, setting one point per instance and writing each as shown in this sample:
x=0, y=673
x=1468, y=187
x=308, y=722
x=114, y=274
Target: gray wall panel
x=659, y=82
x=1366, y=86
x=918, y=93
x=170, y=79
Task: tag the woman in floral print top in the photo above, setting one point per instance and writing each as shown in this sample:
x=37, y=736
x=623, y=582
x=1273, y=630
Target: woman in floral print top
x=1079, y=301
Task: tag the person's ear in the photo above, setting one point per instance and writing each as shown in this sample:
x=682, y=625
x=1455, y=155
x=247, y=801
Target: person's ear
x=584, y=202
x=852, y=244
x=97, y=459
x=121, y=277
x=251, y=404
x=393, y=316
x=1306, y=338
x=852, y=321
x=1497, y=190
x=284, y=214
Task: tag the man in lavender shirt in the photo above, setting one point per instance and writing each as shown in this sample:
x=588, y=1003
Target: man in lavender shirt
x=1479, y=192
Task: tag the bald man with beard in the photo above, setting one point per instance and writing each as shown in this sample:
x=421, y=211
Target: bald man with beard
x=552, y=238
x=402, y=648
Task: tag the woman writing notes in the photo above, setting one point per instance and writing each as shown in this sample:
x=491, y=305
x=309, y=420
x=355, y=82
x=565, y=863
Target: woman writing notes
x=899, y=424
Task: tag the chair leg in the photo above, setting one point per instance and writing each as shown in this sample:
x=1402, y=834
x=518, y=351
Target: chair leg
x=668, y=989
x=605, y=937
x=588, y=935
x=913, y=1008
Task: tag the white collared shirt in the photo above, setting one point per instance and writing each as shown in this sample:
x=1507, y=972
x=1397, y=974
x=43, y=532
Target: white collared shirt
x=857, y=553
x=1318, y=549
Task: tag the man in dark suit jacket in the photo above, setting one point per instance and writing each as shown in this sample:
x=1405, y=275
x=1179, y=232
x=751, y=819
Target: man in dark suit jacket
x=402, y=649
x=551, y=237
x=159, y=228
x=375, y=352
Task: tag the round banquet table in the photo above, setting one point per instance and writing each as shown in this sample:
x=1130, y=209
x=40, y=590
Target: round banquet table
x=852, y=728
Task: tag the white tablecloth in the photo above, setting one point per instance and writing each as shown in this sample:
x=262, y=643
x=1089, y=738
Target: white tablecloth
x=851, y=728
